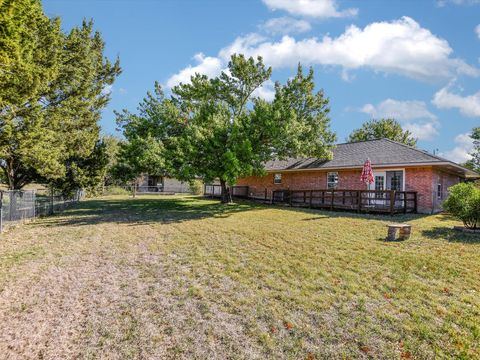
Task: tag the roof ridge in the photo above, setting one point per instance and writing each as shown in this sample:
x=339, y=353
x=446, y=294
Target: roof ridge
x=359, y=141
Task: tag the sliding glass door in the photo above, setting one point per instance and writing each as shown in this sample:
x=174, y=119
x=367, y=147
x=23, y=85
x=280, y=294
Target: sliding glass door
x=394, y=180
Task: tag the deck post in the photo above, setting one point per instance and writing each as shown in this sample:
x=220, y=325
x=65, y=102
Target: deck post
x=289, y=197
x=311, y=195
x=331, y=203
x=404, y=202
x=304, y=197
x=392, y=202
x=415, y=202
x=359, y=200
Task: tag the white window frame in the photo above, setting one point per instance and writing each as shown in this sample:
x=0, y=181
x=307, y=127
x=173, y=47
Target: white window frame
x=383, y=172
x=335, y=184
x=277, y=178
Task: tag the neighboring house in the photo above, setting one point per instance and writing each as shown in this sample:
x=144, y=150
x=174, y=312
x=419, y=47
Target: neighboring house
x=395, y=166
x=152, y=183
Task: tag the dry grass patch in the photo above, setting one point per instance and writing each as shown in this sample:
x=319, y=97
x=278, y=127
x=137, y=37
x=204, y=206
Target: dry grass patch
x=184, y=277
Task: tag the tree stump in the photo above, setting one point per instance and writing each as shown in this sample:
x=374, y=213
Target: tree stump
x=405, y=231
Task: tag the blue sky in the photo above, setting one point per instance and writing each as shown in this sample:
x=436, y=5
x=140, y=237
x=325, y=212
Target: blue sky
x=417, y=61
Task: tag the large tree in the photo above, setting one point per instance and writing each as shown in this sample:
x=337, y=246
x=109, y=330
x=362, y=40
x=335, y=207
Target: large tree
x=84, y=171
x=216, y=128
x=228, y=132
x=60, y=80
x=474, y=162
x=29, y=51
x=383, y=128
x=29, y=61
x=146, y=136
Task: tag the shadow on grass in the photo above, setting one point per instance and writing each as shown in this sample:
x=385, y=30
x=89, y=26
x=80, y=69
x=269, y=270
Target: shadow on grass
x=143, y=210
x=396, y=218
x=449, y=234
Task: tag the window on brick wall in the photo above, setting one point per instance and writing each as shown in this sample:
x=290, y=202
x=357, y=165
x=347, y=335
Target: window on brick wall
x=277, y=178
x=332, y=180
x=440, y=191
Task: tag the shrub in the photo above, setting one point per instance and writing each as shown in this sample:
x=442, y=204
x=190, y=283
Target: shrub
x=196, y=187
x=464, y=204
x=116, y=190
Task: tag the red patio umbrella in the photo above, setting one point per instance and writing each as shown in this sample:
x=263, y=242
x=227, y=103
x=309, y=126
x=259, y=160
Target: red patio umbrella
x=367, y=173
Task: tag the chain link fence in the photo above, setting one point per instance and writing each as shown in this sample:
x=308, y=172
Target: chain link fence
x=17, y=206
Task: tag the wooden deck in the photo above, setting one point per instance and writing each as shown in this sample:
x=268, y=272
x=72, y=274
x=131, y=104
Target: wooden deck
x=378, y=201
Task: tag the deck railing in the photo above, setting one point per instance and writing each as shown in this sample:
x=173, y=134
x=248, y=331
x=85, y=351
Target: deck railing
x=381, y=201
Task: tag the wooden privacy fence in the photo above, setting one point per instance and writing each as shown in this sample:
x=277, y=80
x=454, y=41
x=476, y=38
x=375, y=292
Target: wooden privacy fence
x=380, y=201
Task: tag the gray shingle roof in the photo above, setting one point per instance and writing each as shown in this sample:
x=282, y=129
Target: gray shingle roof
x=380, y=152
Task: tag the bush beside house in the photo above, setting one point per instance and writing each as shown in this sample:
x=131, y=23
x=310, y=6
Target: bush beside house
x=464, y=204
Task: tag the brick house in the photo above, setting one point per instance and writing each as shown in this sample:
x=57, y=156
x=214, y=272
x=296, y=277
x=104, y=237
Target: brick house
x=395, y=166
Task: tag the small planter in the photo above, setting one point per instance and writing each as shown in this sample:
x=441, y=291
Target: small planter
x=465, y=230
x=405, y=231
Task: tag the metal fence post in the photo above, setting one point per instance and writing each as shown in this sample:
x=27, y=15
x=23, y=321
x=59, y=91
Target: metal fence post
x=52, y=210
x=34, y=202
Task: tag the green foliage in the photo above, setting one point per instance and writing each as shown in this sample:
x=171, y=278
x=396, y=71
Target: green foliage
x=474, y=162
x=463, y=202
x=53, y=90
x=148, y=136
x=196, y=187
x=216, y=128
x=85, y=171
x=29, y=51
x=112, y=150
x=115, y=190
x=229, y=133
x=383, y=128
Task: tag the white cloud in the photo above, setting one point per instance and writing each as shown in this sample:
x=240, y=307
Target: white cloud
x=461, y=152
x=399, y=110
x=311, y=8
x=286, y=25
x=425, y=126
x=266, y=91
x=207, y=65
x=442, y=3
x=401, y=46
x=477, y=30
x=468, y=105
x=423, y=130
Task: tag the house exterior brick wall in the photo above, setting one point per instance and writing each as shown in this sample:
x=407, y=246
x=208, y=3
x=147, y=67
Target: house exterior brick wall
x=423, y=180
x=420, y=179
x=445, y=180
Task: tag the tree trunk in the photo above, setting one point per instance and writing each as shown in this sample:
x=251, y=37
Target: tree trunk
x=10, y=175
x=15, y=175
x=226, y=195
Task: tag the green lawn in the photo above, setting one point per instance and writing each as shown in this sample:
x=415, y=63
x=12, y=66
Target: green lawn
x=183, y=277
